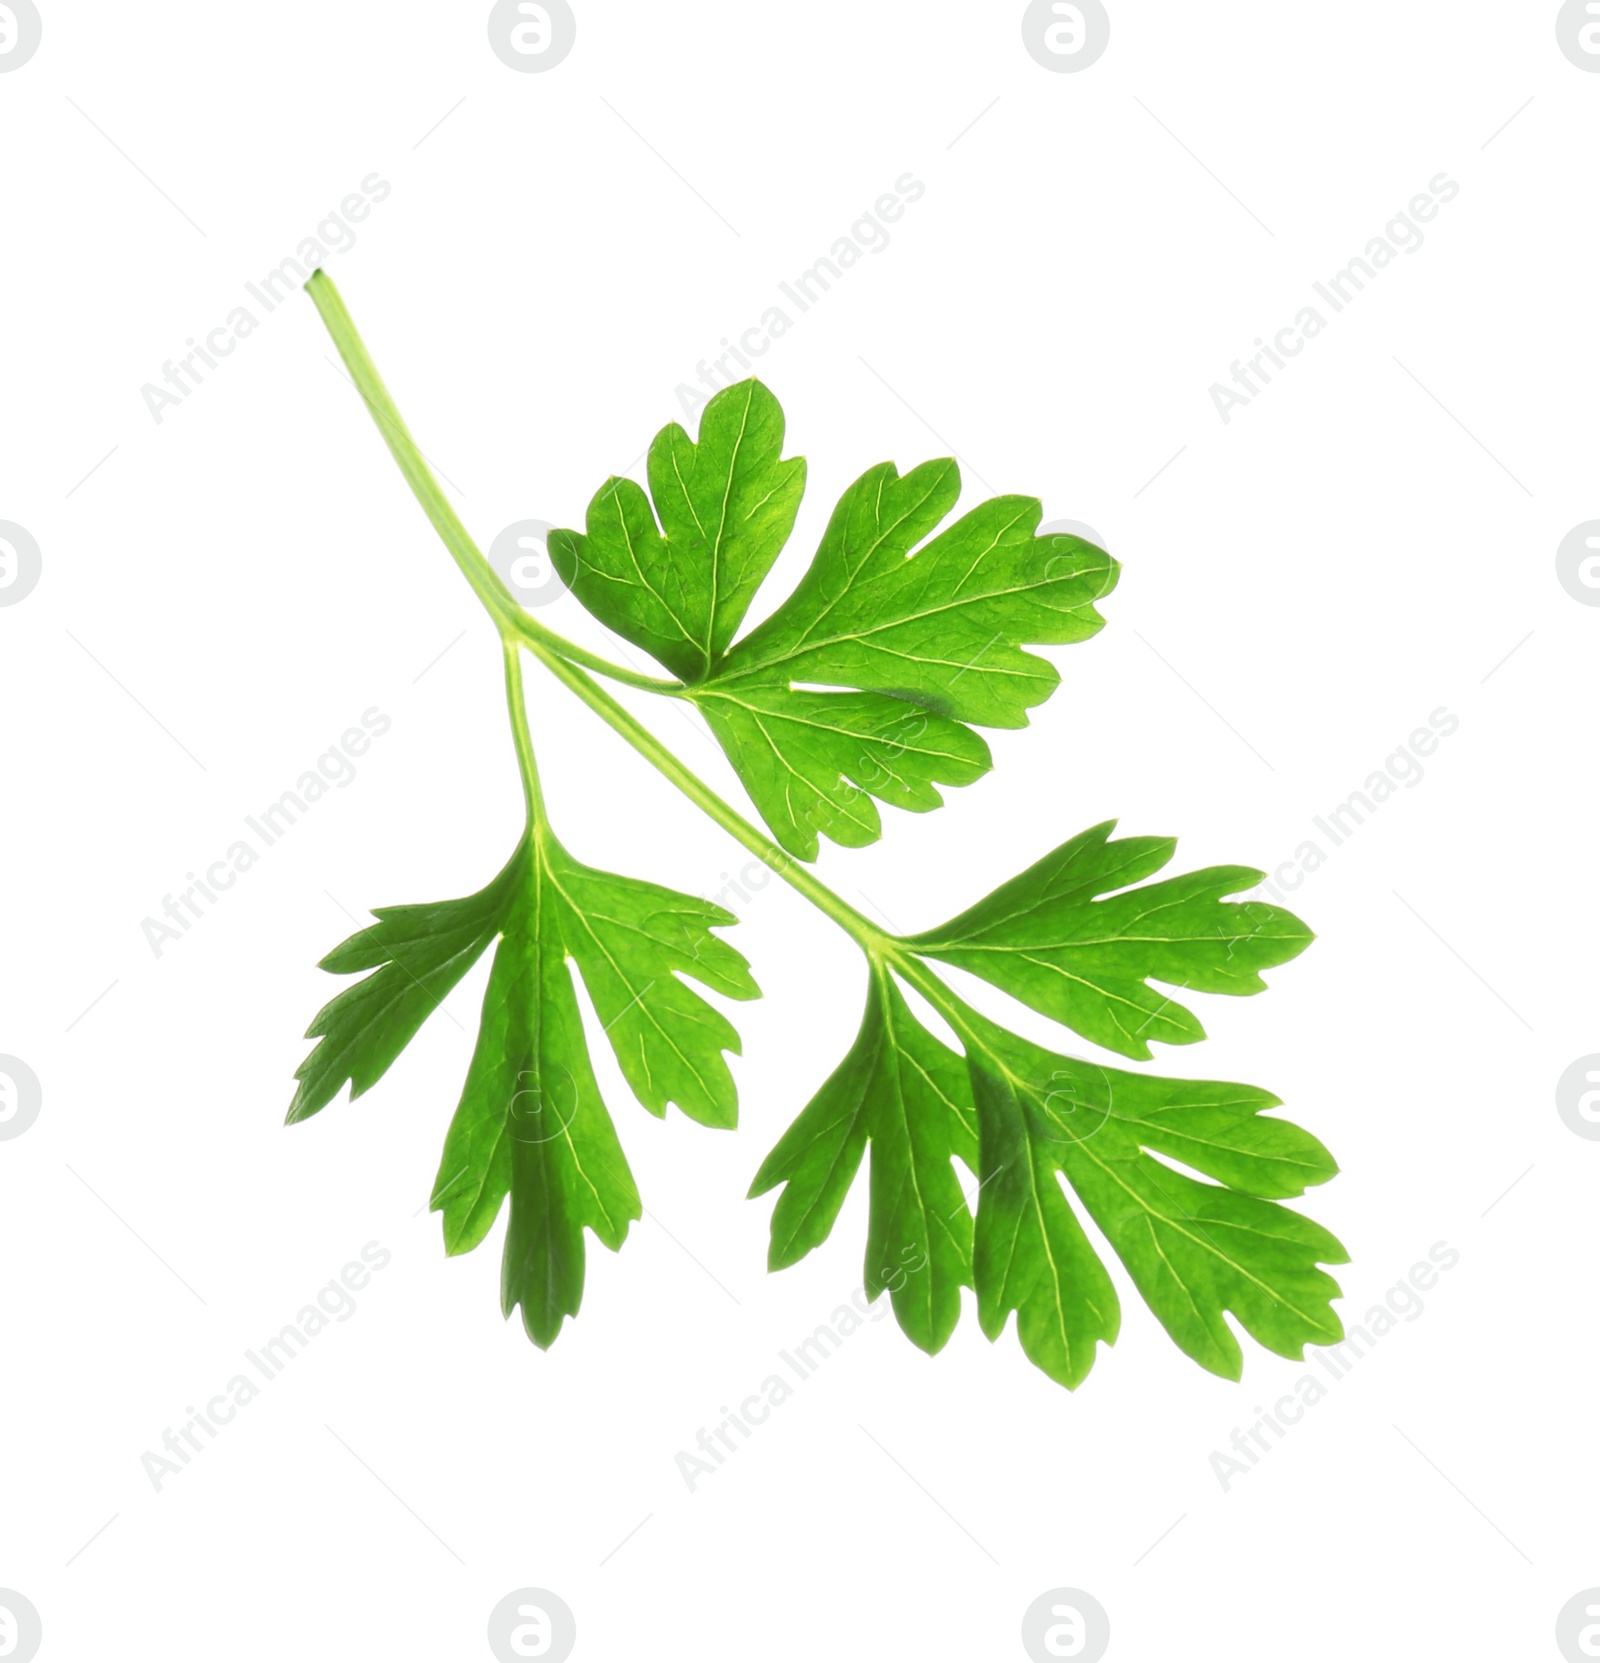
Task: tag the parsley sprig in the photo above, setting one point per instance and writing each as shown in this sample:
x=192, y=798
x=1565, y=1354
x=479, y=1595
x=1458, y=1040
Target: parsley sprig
x=868, y=683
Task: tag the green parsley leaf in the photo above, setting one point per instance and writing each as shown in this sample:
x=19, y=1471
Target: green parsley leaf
x=1194, y=1250
x=1051, y=938
x=727, y=506
x=921, y=641
x=420, y=953
x=1031, y=1254
x=940, y=627
x=814, y=761
x=906, y=1094
x=531, y=1123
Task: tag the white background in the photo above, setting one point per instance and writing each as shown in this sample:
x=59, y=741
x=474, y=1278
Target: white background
x=232, y=587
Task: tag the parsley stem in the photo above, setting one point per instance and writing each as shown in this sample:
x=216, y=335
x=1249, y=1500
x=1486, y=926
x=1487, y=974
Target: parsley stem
x=510, y=618
x=950, y=1005
x=530, y=630
x=873, y=941
x=516, y=703
x=568, y=662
